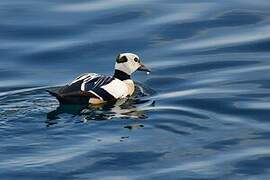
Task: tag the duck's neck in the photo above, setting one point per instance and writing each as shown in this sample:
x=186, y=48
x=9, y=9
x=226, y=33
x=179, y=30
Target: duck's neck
x=121, y=75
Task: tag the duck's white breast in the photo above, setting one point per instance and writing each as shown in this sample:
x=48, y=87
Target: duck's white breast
x=117, y=88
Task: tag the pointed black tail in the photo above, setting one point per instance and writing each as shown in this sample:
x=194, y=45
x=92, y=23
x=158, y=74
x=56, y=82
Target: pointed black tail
x=58, y=97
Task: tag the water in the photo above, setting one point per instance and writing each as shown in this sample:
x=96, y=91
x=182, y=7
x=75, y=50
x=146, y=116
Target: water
x=202, y=114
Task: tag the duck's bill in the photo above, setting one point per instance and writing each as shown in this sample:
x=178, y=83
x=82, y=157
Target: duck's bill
x=144, y=68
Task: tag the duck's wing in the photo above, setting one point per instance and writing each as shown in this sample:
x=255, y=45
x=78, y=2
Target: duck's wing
x=72, y=93
x=107, y=88
x=96, y=86
x=85, y=76
x=74, y=88
x=87, y=86
x=90, y=85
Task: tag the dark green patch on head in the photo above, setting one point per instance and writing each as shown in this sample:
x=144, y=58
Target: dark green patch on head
x=122, y=59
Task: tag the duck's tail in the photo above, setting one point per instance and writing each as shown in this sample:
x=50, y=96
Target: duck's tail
x=58, y=97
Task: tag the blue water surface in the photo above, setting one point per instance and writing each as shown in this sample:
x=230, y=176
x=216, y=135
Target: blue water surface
x=203, y=113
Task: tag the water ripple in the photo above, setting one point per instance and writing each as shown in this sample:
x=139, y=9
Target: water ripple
x=93, y=6
x=210, y=164
x=203, y=112
x=235, y=36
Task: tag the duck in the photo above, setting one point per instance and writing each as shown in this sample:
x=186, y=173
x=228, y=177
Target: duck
x=93, y=88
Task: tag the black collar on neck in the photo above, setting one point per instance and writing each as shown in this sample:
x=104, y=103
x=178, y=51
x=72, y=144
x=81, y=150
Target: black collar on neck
x=121, y=75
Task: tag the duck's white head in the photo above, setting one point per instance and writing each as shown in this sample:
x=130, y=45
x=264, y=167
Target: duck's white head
x=129, y=63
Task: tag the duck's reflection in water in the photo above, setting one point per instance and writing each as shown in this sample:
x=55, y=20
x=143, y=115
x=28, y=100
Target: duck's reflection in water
x=124, y=108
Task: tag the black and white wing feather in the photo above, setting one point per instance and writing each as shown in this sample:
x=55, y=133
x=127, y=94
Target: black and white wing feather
x=95, y=85
x=92, y=85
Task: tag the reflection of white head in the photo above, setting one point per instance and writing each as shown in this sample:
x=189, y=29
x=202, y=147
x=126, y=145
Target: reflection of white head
x=128, y=63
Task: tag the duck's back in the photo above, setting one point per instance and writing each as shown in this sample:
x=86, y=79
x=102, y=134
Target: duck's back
x=91, y=86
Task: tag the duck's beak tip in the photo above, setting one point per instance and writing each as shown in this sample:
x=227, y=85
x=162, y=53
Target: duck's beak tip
x=144, y=68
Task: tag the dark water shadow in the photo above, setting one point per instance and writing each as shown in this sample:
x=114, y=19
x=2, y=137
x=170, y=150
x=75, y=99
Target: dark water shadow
x=121, y=109
x=224, y=144
x=123, y=160
x=205, y=66
x=252, y=166
x=117, y=17
x=259, y=46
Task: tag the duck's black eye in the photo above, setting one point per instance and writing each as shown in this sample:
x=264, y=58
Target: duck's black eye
x=136, y=59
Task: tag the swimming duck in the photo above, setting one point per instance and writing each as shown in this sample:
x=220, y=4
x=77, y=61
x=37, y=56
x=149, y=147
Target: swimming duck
x=92, y=88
